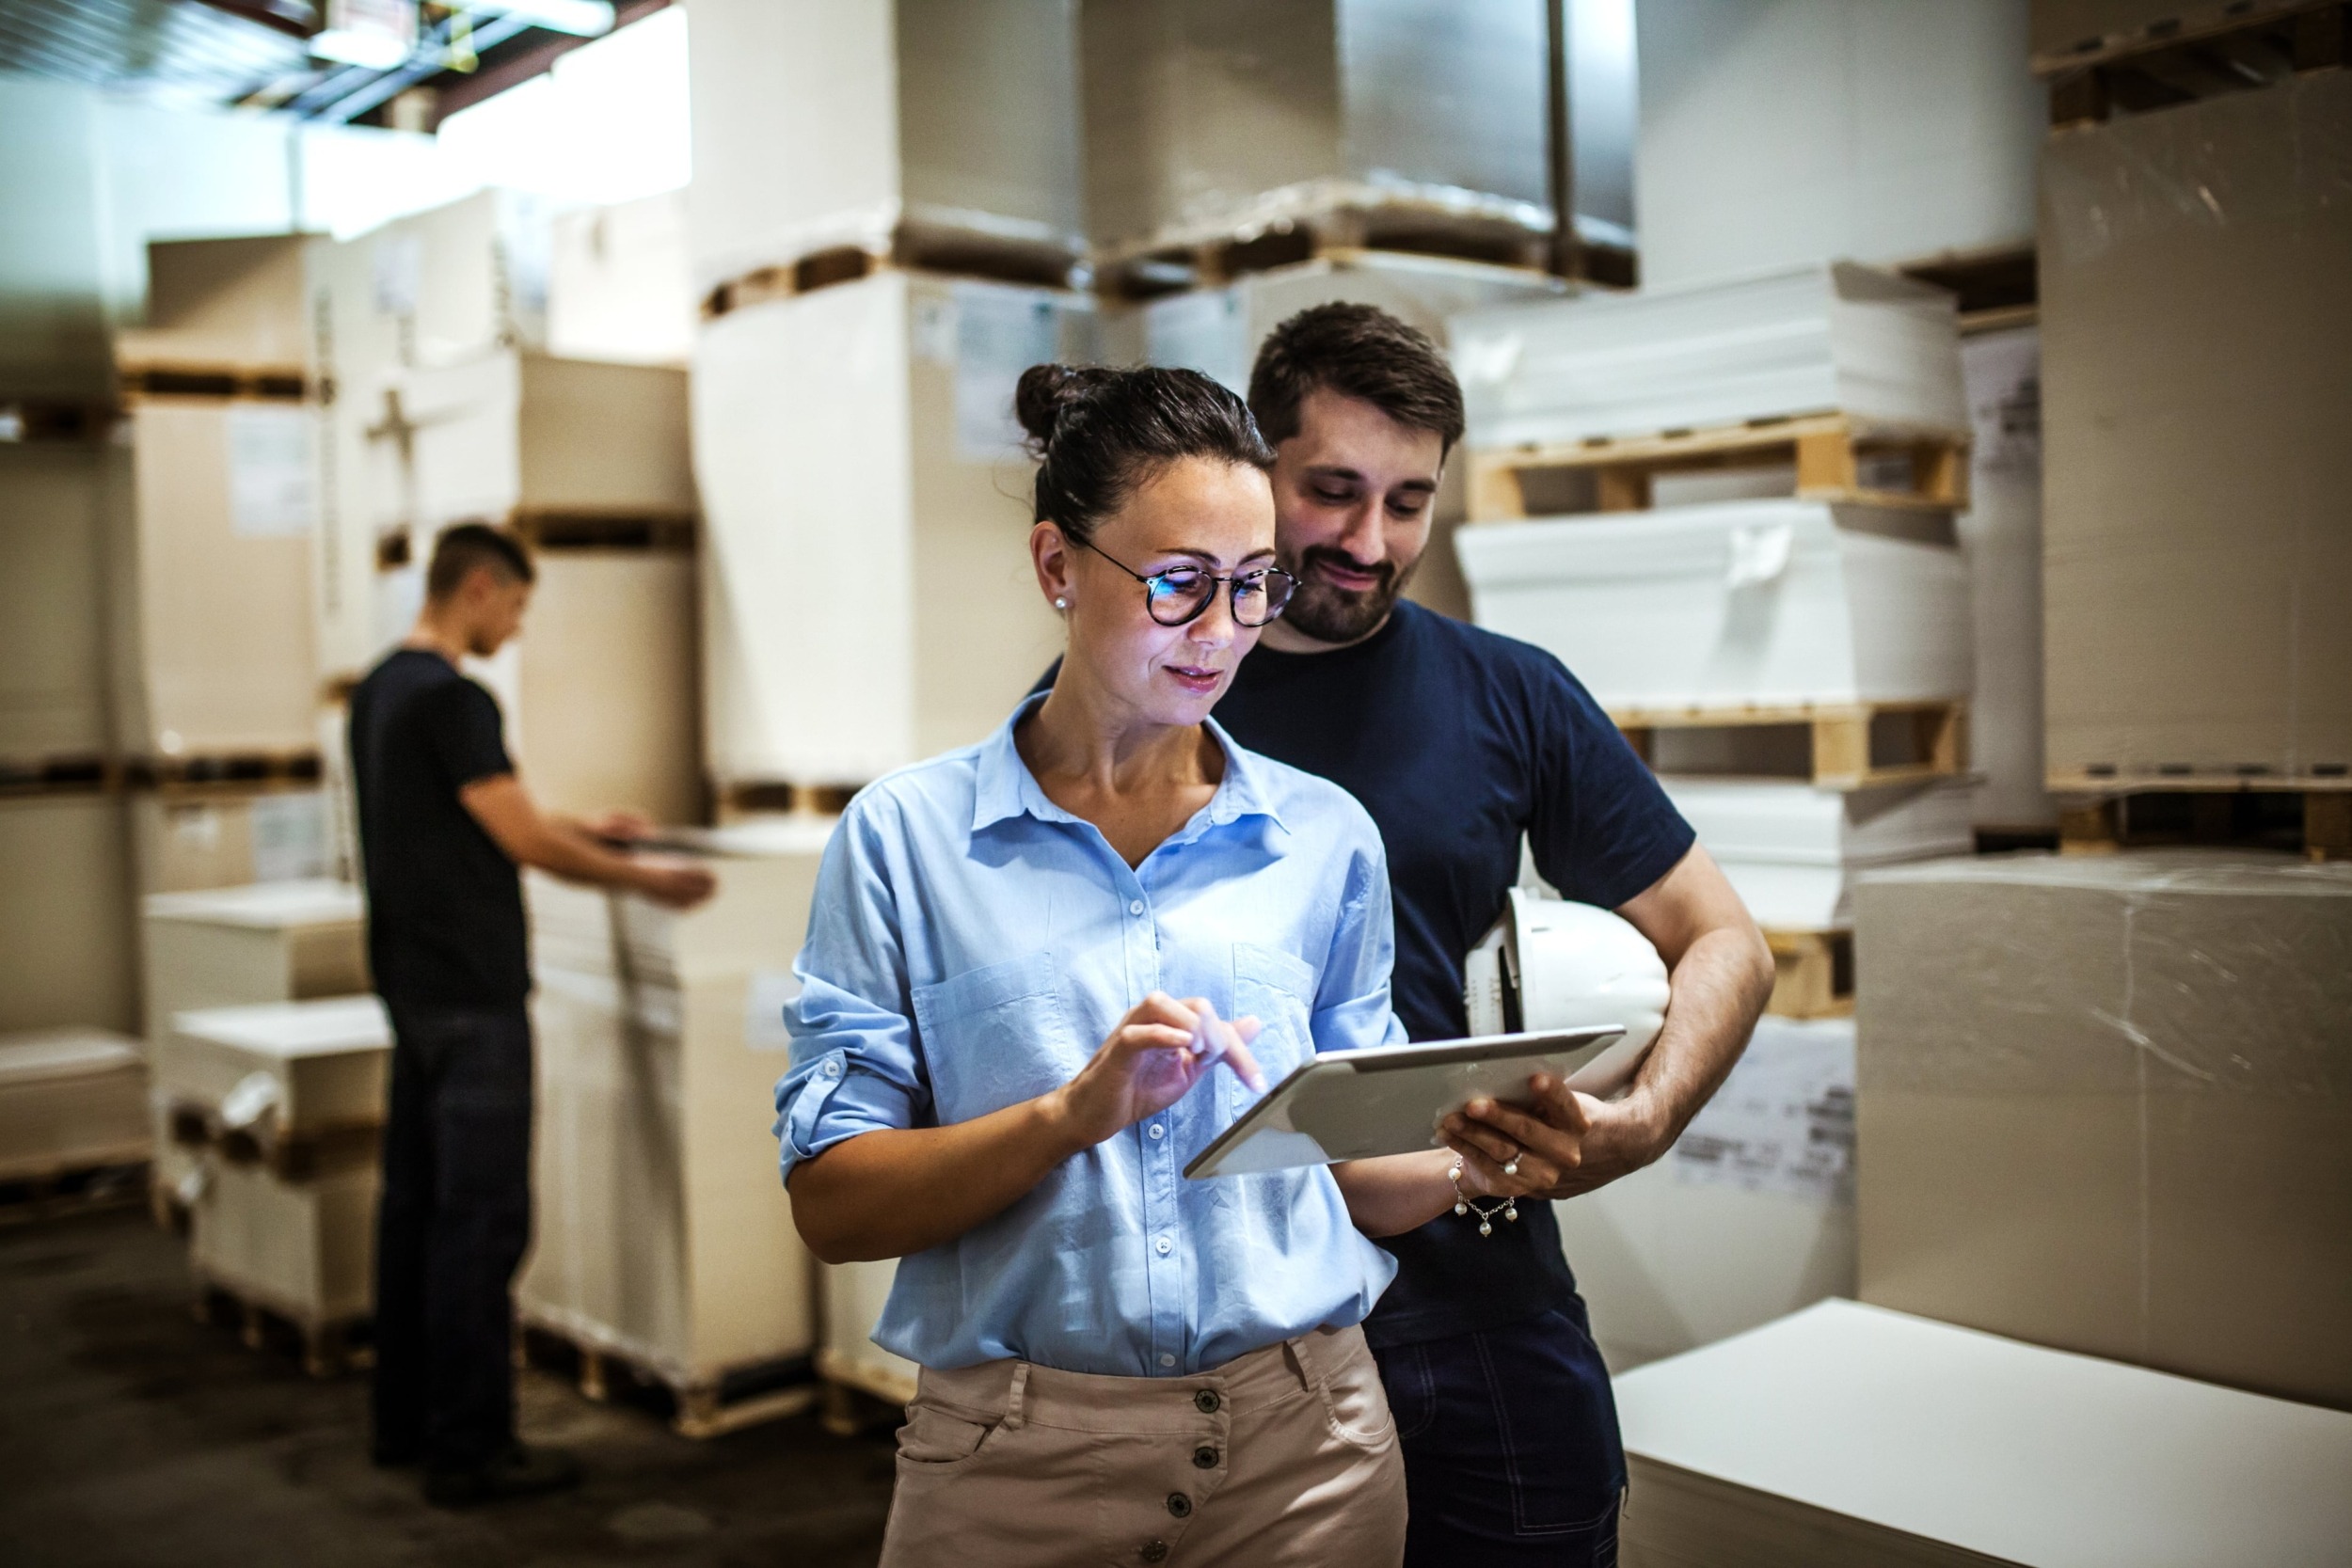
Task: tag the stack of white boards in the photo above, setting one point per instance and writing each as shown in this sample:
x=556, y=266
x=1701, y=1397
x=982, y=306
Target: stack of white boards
x=1749, y=1217
x=939, y=122
x=1792, y=851
x=232, y=947
x=283, y=1214
x=1757, y=602
x=853, y=1297
x=663, y=1235
x=1851, y=1435
x=71, y=1100
x=1832, y=338
x=919, y=629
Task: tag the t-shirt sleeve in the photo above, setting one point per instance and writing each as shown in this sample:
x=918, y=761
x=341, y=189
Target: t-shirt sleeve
x=468, y=735
x=1602, y=831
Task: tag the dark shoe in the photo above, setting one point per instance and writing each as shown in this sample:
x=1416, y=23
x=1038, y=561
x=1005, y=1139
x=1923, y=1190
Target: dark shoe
x=521, y=1471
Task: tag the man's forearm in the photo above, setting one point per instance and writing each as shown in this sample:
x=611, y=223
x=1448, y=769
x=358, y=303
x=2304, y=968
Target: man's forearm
x=1719, y=993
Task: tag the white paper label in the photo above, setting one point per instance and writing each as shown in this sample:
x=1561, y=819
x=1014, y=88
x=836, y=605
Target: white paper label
x=271, y=492
x=999, y=333
x=289, y=836
x=1783, y=1122
x=399, y=270
x=1202, y=332
x=771, y=993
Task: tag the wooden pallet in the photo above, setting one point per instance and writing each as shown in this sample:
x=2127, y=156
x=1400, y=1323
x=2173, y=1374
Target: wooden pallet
x=108, y=1178
x=1832, y=455
x=2209, y=51
x=1852, y=745
x=2307, y=814
x=188, y=379
x=1812, y=974
x=1995, y=288
x=913, y=247
x=77, y=773
x=296, y=768
x=1200, y=259
x=700, y=1407
x=327, y=1347
x=577, y=530
x=861, y=1397
x=761, y=797
x=57, y=419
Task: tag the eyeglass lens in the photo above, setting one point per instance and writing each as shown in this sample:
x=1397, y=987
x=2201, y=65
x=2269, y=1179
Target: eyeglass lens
x=1178, y=596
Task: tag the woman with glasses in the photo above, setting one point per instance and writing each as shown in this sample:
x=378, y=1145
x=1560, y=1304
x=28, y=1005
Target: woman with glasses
x=1042, y=973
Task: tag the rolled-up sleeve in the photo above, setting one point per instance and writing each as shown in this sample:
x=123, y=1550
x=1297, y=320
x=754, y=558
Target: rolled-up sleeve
x=854, y=1068
x=1352, y=1008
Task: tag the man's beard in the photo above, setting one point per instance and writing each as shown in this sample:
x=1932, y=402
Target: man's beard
x=1330, y=614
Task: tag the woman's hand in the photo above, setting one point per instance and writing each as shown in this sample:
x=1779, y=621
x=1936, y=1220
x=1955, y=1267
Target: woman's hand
x=1508, y=1152
x=1152, y=1059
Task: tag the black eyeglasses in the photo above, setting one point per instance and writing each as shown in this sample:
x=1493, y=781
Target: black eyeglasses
x=1178, y=596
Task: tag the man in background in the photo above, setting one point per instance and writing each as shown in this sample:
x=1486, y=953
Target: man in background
x=1461, y=742
x=444, y=825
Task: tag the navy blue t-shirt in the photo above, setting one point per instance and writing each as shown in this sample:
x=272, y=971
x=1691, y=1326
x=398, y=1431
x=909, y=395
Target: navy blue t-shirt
x=1458, y=740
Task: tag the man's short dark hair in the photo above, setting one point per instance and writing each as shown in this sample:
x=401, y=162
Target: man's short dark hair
x=1358, y=351
x=462, y=548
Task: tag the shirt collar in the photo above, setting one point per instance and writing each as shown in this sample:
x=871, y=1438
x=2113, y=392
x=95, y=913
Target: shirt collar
x=1005, y=788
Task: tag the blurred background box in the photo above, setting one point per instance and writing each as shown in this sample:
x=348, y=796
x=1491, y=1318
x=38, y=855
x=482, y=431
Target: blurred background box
x=853, y=1297
x=1792, y=850
x=280, y=1072
x=71, y=1100
x=1749, y=1216
x=219, y=303
x=52, y=557
x=621, y=283
x=67, y=934
x=663, y=1234
x=2197, y=570
x=2106, y=1104
x=1851, y=1435
x=922, y=127
x=188, y=838
x=870, y=596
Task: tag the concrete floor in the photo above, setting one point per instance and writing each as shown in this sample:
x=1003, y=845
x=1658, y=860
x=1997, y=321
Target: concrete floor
x=130, y=1434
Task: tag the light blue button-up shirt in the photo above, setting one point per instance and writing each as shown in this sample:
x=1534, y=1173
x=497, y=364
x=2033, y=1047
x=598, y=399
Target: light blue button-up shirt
x=972, y=944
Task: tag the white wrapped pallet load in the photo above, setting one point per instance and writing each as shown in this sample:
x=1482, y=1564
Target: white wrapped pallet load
x=68, y=933
x=1847, y=1434
x=820, y=125
x=281, y=1070
x=662, y=1233
x=870, y=597
x=1750, y=1216
x=1790, y=851
x=854, y=1295
x=1837, y=338
x=54, y=697
x=190, y=838
x=621, y=283
x=1749, y=603
x=71, y=1100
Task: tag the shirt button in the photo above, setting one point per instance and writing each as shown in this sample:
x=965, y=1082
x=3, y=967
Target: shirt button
x=1156, y=1131
x=1136, y=908
x=1162, y=1246
x=1204, y=1458
x=1167, y=1358
x=1152, y=1551
x=832, y=1069
x=1178, y=1505
x=1207, y=1402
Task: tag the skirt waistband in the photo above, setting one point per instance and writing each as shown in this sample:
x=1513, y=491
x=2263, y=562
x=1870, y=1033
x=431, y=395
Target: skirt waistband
x=1021, y=1392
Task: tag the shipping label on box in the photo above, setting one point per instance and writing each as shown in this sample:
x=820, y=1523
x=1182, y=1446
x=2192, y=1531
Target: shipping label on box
x=1783, y=1122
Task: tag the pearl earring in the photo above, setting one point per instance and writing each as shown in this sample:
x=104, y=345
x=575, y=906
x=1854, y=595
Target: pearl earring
x=1062, y=604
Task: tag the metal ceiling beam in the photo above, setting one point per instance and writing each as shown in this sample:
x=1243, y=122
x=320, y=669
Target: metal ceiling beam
x=520, y=67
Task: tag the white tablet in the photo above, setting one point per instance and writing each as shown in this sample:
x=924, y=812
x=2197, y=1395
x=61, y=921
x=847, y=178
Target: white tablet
x=1355, y=1104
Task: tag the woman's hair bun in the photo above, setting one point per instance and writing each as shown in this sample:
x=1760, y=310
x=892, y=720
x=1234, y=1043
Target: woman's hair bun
x=1046, y=396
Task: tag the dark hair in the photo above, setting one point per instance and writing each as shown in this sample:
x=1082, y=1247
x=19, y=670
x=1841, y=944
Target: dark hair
x=1358, y=351
x=1098, y=434
x=462, y=548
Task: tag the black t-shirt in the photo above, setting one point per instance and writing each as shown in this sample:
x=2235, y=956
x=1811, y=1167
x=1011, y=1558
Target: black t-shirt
x=445, y=905
x=1458, y=740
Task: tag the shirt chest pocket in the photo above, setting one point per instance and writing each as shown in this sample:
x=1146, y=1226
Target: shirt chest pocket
x=1278, y=992
x=995, y=1037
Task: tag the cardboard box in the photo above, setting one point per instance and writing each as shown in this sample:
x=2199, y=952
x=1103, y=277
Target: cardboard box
x=67, y=934
x=1749, y=1217
x=1207, y=118
x=662, y=1231
x=53, y=681
x=187, y=840
x=1850, y=1435
x=1835, y=338
x=220, y=303
x=819, y=125
x=2198, y=571
x=1745, y=602
x=918, y=627
x=71, y=1100
x=2106, y=1104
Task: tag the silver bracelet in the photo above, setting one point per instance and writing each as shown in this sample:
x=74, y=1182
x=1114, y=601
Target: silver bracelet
x=1464, y=1204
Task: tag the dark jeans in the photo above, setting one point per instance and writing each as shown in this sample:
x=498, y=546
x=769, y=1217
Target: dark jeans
x=1512, y=1457
x=455, y=1221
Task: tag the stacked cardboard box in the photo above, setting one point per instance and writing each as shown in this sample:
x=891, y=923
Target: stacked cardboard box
x=662, y=1234
x=71, y=1100
x=68, y=929
x=1851, y=1435
x=2106, y=1104
x=283, y=1211
x=1741, y=634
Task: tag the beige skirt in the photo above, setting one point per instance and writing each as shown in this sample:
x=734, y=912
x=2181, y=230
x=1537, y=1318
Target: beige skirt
x=1286, y=1456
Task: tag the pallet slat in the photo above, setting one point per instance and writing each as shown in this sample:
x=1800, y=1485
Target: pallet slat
x=705, y=1408
x=1854, y=746
x=1812, y=974
x=1833, y=455
x=2317, y=821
